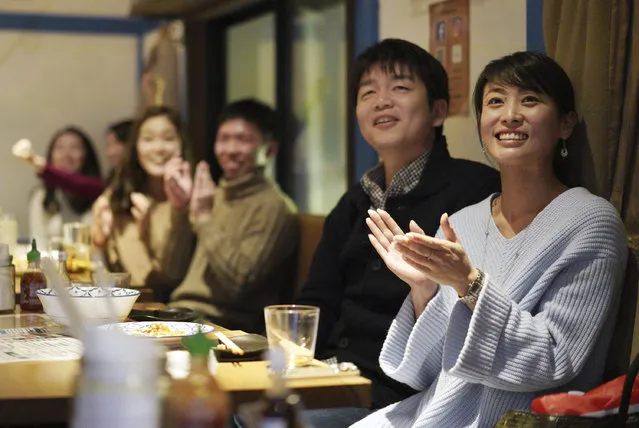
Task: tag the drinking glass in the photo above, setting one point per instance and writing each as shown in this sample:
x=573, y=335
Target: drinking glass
x=56, y=246
x=294, y=329
x=77, y=244
x=116, y=279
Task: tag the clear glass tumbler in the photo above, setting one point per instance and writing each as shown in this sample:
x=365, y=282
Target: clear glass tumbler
x=293, y=328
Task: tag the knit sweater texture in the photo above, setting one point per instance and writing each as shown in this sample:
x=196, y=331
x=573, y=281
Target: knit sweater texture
x=161, y=257
x=246, y=254
x=542, y=322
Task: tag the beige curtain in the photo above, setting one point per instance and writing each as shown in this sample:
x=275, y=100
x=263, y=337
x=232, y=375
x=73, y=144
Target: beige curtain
x=597, y=43
x=160, y=81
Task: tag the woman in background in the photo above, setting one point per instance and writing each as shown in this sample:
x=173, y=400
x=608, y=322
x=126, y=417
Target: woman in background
x=71, y=152
x=135, y=224
x=519, y=299
x=82, y=186
x=116, y=138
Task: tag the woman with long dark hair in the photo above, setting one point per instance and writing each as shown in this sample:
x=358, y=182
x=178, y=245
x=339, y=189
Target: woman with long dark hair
x=87, y=187
x=137, y=226
x=70, y=151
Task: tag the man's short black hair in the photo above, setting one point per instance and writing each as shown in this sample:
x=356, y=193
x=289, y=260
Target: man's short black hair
x=391, y=54
x=255, y=112
x=121, y=130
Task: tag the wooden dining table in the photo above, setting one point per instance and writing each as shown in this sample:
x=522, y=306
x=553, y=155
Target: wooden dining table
x=41, y=392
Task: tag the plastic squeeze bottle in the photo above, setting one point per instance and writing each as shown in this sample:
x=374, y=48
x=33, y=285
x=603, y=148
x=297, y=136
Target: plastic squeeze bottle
x=32, y=280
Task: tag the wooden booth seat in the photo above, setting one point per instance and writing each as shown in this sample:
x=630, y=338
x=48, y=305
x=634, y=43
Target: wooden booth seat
x=310, y=234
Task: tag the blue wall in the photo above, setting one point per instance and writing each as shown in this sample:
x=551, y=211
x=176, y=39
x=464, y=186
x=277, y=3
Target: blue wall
x=366, y=34
x=534, y=25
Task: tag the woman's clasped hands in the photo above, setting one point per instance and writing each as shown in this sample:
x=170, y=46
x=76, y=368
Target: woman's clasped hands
x=418, y=259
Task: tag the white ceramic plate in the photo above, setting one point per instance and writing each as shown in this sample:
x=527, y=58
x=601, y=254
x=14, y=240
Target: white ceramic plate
x=160, y=329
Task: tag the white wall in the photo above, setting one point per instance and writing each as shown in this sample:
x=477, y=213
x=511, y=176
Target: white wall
x=497, y=28
x=50, y=80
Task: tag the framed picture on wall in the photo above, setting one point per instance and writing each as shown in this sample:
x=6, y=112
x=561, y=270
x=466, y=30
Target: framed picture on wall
x=449, y=43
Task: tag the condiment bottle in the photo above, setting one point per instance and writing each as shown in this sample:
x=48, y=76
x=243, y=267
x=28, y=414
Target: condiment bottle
x=32, y=280
x=197, y=400
x=281, y=408
x=118, y=385
x=7, y=281
x=9, y=231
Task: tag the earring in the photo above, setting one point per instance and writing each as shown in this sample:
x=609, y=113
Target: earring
x=564, y=150
x=483, y=147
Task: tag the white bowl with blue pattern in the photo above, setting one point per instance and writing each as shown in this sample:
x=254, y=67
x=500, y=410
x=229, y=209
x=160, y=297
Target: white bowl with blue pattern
x=92, y=302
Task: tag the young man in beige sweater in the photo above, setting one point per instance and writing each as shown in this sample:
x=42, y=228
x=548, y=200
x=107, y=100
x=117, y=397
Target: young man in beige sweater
x=246, y=226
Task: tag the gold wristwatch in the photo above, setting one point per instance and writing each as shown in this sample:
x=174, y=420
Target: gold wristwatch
x=472, y=294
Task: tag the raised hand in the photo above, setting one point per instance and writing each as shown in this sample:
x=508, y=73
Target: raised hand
x=140, y=212
x=384, y=233
x=203, y=193
x=23, y=150
x=442, y=260
x=102, y=221
x=178, y=185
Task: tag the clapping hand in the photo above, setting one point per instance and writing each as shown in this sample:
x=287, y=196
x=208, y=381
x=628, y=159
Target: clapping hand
x=178, y=185
x=444, y=261
x=203, y=193
x=384, y=233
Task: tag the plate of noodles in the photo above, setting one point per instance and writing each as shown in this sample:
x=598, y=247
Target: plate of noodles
x=162, y=330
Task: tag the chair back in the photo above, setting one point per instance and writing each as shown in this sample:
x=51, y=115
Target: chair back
x=311, y=227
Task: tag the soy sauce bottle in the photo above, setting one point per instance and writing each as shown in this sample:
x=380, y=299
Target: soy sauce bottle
x=197, y=401
x=282, y=408
x=32, y=280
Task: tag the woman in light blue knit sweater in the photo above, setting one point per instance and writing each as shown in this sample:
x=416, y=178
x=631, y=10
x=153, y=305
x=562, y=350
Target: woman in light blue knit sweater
x=520, y=298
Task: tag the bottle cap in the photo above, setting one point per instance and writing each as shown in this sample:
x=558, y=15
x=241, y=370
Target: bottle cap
x=5, y=257
x=198, y=344
x=277, y=358
x=34, y=254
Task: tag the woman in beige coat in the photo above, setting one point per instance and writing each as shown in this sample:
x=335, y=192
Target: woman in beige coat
x=138, y=226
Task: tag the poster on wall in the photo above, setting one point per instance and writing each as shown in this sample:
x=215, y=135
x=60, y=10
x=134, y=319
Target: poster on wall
x=449, y=42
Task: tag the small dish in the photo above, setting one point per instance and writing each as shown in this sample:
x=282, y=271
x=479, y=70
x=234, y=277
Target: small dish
x=253, y=346
x=166, y=332
x=178, y=363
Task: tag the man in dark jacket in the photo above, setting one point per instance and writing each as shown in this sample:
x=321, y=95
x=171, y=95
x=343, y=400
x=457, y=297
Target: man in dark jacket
x=401, y=96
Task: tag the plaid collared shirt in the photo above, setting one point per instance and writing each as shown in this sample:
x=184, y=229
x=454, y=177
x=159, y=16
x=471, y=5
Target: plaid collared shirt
x=374, y=181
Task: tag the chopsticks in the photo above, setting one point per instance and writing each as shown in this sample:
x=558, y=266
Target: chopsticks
x=236, y=350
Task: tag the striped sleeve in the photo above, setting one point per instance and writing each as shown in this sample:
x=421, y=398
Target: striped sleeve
x=504, y=347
